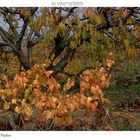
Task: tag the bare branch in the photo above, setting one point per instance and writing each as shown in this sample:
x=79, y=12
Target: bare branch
x=5, y=36
x=62, y=63
x=26, y=22
x=112, y=37
x=3, y=44
x=9, y=22
x=71, y=10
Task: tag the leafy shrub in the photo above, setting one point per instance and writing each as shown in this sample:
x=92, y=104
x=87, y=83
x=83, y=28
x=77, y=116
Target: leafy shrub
x=35, y=94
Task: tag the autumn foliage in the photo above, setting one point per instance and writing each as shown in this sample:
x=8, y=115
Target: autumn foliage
x=36, y=94
x=55, y=63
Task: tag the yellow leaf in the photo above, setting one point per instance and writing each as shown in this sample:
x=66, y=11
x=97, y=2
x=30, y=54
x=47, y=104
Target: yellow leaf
x=110, y=63
x=126, y=42
x=89, y=99
x=54, y=99
x=69, y=119
x=6, y=106
x=52, y=56
x=99, y=19
x=50, y=114
x=14, y=101
x=89, y=12
x=28, y=111
x=17, y=109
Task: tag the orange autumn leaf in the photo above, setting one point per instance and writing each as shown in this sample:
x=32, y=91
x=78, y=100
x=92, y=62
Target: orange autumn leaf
x=89, y=11
x=96, y=90
x=50, y=114
x=93, y=108
x=104, y=84
x=41, y=118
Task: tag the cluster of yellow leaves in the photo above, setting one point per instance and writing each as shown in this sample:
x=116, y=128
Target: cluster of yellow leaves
x=36, y=93
x=21, y=80
x=94, y=80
